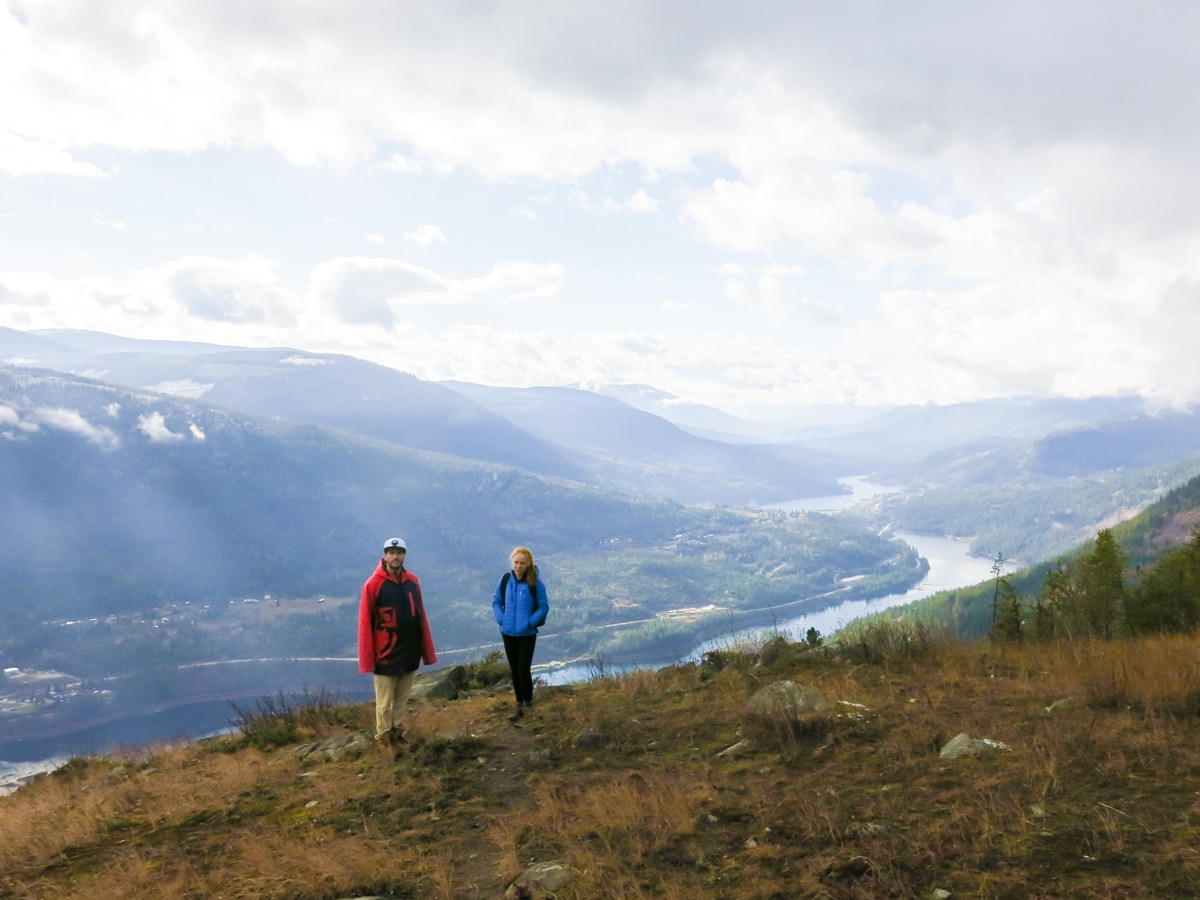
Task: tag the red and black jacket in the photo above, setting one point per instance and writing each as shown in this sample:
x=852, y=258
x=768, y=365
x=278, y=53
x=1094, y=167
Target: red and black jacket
x=393, y=633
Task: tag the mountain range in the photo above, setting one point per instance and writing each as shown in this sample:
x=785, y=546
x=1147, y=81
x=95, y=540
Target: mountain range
x=144, y=483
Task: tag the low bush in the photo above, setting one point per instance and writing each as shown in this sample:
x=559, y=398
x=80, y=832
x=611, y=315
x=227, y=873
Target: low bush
x=281, y=720
x=487, y=672
x=886, y=641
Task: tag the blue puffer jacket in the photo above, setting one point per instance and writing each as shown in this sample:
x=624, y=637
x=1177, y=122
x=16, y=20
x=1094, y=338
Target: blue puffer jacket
x=518, y=613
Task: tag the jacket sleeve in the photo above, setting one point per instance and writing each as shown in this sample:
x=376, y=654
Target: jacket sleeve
x=366, y=627
x=498, y=603
x=538, y=619
x=428, y=654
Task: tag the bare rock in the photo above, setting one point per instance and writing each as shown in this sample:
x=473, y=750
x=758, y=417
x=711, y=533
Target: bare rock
x=444, y=684
x=334, y=748
x=788, y=702
x=739, y=747
x=964, y=745
x=541, y=880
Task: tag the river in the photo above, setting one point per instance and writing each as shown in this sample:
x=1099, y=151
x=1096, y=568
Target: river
x=950, y=565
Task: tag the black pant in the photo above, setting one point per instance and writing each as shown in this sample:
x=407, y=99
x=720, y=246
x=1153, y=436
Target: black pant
x=519, y=651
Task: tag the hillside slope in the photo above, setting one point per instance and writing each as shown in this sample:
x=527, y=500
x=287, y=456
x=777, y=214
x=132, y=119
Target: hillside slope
x=620, y=445
x=665, y=785
x=330, y=390
x=1163, y=526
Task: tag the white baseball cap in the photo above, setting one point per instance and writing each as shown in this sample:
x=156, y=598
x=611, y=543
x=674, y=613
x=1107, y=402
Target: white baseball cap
x=395, y=544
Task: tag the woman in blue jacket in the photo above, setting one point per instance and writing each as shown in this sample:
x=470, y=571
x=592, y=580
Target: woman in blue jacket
x=520, y=606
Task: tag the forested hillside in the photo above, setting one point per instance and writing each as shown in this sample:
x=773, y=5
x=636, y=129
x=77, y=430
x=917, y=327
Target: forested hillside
x=1028, y=522
x=1141, y=576
x=564, y=432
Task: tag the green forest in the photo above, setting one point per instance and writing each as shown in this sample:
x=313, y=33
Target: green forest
x=1139, y=577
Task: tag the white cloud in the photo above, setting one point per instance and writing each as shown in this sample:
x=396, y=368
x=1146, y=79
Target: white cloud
x=677, y=305
x=20, y=155
x=154, y=426
x=425, y=236
x=935, y=202
x=247, y=291
x=770, y=292
x=403, y=165
x=106, y=223
x=519, y=280
x=640, y=202
x=361, y=291
x=72, y=421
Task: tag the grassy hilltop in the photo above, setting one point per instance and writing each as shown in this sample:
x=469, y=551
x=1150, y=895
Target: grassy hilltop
x=625, y=781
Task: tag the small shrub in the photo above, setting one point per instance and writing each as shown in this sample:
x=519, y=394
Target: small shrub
x=889, y=641
x=597, y=667
x=736, y=657
x=487, y=672
x=78, y=767
x=781, y=654
x=278, y=721
x=773, y=650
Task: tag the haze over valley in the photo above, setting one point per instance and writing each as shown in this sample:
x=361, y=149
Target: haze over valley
x=207, y=504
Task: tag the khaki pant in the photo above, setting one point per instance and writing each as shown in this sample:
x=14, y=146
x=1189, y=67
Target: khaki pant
x=391, y=693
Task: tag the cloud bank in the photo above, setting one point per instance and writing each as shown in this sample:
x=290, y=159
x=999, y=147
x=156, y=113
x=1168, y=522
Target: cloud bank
x=802, y=202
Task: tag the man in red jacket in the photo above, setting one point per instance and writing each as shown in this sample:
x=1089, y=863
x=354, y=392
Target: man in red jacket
x=393, y=637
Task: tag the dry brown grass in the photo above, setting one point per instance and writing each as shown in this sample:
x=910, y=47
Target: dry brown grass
x=620, y=780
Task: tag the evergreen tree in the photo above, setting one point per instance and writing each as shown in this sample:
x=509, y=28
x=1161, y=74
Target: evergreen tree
x=1088, y=598
x=1103, y=587
x=1043, y=621
x=1061, y=598
x=1167, y=600
x=1008, y=613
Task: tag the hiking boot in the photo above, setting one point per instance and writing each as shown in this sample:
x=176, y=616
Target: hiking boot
x=393, y=737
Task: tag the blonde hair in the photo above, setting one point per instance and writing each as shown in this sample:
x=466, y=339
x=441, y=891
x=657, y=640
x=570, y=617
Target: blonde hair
x=531, y=578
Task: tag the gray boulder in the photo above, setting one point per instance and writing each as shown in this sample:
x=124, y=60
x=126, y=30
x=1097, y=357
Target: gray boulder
x=334, y=748
x=443, y=684
x=964, y=745
x=786, y=701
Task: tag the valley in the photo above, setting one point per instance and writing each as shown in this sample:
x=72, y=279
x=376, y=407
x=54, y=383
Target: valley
x=275, y=483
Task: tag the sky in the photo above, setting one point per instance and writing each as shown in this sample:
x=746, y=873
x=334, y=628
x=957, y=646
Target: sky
x=754, y=205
